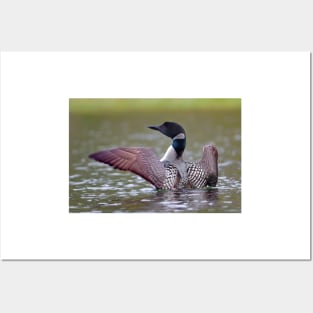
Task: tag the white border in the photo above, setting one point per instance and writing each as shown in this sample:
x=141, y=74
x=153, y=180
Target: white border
x=275, y=92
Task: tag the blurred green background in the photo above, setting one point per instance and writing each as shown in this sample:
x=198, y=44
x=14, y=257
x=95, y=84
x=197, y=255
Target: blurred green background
x=98, y=106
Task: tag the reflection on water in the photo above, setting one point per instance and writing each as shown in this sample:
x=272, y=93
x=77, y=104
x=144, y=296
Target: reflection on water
x=95, y=187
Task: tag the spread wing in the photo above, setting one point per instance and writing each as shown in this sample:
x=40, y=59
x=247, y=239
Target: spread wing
x=209, y=164
x=141, y=161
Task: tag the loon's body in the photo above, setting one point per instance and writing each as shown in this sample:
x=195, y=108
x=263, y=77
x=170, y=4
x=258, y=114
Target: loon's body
x=171, y=172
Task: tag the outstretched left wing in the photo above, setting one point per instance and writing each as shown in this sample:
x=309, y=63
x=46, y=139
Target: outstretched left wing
x=141, y=161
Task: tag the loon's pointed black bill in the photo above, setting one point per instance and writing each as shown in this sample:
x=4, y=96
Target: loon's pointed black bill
x=155, y=127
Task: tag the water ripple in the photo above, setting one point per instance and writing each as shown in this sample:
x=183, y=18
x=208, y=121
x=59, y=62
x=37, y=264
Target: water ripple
x=95, y=187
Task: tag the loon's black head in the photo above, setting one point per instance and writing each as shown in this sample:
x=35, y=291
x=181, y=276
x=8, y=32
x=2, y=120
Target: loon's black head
x=169, y=129
x=174, y=131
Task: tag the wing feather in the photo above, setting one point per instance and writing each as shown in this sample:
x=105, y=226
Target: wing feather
x=209, y=164
x=141, y=161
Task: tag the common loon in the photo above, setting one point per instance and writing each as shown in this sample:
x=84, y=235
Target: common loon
x=171, y=172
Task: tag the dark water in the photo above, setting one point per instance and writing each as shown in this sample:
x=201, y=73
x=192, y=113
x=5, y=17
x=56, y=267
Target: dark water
x=96, y=187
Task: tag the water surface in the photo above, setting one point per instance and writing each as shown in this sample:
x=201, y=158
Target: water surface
x=96, y=187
